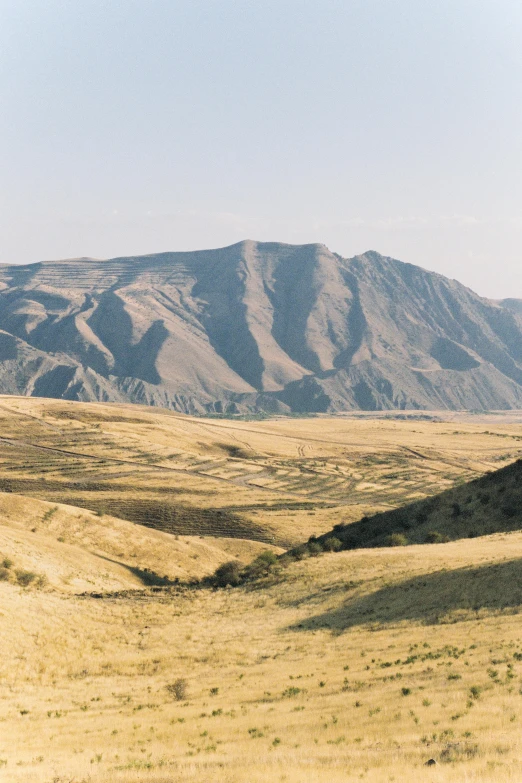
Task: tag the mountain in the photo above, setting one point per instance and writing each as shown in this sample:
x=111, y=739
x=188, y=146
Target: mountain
x=256, y=326
x=515, y=305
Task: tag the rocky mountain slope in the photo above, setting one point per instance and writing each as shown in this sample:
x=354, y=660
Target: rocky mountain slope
x=256, y=326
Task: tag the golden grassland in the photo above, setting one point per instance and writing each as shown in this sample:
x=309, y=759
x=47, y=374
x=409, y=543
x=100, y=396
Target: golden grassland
x=276, y=481
x=352, y=666
x=77, y=550
x=358, y=665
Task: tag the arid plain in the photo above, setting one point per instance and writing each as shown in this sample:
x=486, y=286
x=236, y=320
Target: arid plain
x=117, y=665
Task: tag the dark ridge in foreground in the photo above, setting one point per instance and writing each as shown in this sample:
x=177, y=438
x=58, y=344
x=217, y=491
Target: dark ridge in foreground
x=490, y=504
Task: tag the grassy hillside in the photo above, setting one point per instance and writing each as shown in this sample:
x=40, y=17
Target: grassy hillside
x=490, y=504
x=356, y=666
x=116, y=667
x=75, y=549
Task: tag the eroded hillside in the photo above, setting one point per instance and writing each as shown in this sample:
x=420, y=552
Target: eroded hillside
x=256, y=326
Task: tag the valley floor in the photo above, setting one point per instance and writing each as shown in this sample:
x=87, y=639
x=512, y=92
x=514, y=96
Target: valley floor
x=352, y=666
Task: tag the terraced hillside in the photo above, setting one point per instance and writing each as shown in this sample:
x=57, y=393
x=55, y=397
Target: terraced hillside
x=274, y=481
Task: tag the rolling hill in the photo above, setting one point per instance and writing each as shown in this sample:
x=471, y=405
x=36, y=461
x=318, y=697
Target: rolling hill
x=356, y=665
x=488, y=504
x=274, y=481
x=117, y=664
x=256, y=327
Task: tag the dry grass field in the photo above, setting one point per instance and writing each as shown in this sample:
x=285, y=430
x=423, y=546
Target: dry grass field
x=276, y=481
x=358, y=665
x=355, y=666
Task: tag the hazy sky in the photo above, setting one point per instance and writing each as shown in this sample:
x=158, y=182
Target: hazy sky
x=136, y=126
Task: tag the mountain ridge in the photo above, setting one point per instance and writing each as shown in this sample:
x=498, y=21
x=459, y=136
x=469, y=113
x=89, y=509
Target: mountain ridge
x=256, y=326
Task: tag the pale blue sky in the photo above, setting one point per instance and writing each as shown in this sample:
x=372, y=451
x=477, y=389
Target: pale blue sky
x=136, y=126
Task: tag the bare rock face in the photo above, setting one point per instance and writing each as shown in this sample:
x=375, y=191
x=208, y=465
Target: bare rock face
x=256, y=326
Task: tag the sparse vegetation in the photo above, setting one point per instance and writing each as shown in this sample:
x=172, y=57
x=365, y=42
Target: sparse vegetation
x=228, y=574
x=359, y=664
x=178, y=689
x=25, y=578
x=397, y=681
x=21, y=576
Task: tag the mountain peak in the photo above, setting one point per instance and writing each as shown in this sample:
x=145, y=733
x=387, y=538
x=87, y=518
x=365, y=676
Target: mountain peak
x=256, y=326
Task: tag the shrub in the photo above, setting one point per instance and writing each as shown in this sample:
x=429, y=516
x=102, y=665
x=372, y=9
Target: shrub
x=314, y=548
x=25, y=578
x=7, y=562
x=458, y=751
x=228, y=574
x=332, y=544
x=262, y=565
x=396, y=539
x=351, y=541
x=434, y=537
x=42, y=581
x=178, y=689
x=4, y=574
x=49, y=513
x=268, y=558
x=291, y=692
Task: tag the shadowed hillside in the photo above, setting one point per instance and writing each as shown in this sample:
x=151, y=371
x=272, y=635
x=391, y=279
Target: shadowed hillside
x=256, y=327
x=486, y=505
